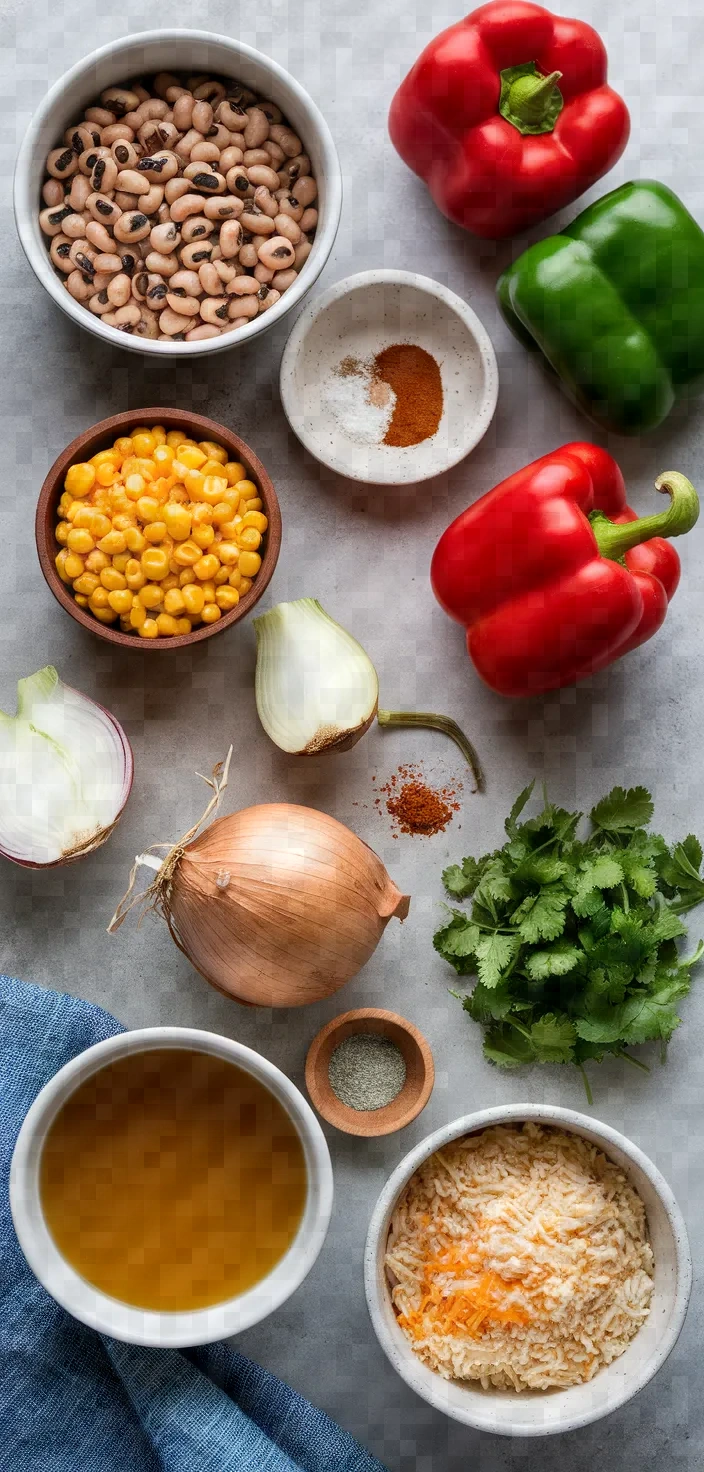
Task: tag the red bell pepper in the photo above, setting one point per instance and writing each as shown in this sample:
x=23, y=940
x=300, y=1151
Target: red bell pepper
x=554, y=576
x=507, y=117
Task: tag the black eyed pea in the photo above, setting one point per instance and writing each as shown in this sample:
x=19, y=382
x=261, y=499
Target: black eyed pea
x=51, y=221
x=99, y=237
x=185, y=144
x=265, y=201
x=237, y=181
x=116, y=133
x=80, y=286
x=248, y=255
x=295, y=168
x=272, y=111
x=153, y=203
x=276, y=154
x=224, y=207
x=104, y=210
x=256, y=130
x=162, y=82
x=289, y=205
x=175, y=91
x=232, y=117
x=243, y=286
x=102, y=116
x=242, y=306
x=181, y=302
x=302, y=253
x=126, y=201
x=218, y=137
x=131, y=181
x=209, y=91
x=305, y=190
x=127, y=317
x=257, y=223
x=175, y=188
x=82, y=255
x=139, y=91
x=229, y=157
x=288, y=228
x=133, y=225
x=53, y=193
x=214, y=309
x=119, y=100
x=188, y=281
x=60, y=252
x=199, y=334
x=159, y=167
x=154, y=109
x=261, y=174
x=104, y=176
x=278, y=253
x=254, y=156
x=101, y=280
x=124, y=154
x=308, y=221
x=228, y=270
x=82, y=137
x=205, y=180
x=89, y=159
x=130, y=261
x=205, y=153
x=202, y=116
x=119, y=290
x=197, y=228
x=281, y=280
x=165, y=238
x=208, y=278
x=183, y=111
x=173, y=323
x=185, y=206
x=286, y=139
x=194, y=255
x=99, y=304
x=78, y=193
x=109, y=263
x=62, y=163
x=148, y=325
x=230, y=238
x=75, y=225
x=140, y=283
x=267, y=297
x=160, y=264
x=156, y=293
x=263, y=274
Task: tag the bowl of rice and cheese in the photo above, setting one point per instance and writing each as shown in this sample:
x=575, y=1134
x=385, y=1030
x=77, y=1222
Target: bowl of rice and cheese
x=527, y=1270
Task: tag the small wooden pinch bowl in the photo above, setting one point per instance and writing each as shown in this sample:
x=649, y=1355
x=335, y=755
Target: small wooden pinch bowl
x=420, y=1072
x=101, y=437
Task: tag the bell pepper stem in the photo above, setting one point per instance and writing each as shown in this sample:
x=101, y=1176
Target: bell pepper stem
x=530, y=101
x=615, y=539
x=435, y=722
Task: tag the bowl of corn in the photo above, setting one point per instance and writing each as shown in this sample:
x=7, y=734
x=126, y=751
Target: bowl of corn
x=157, y=528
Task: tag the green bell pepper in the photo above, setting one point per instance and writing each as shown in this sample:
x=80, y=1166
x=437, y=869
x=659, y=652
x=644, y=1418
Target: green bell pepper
x=616, y=305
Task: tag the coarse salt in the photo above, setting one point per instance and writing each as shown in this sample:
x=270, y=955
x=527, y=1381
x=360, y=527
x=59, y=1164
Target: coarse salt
x=358, y=404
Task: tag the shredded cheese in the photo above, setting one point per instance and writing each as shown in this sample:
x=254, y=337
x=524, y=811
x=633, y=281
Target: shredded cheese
x=519, y=1257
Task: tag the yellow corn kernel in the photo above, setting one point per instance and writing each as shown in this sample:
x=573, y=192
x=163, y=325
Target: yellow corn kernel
x=99, y=599
x=213, y=489
x=166, y=624
x=155, y=532
x=150, y=595
x=168, y=582
x=123, y=446
x=135, y=485
x=184, y=625
x=249, y=564
x=222, y=512
x=135, y=540
x=234, y=471
x=60, y=565
x=255, y=519
x=161, y=488
x=254, y=504
x=97, y=560
x=193, y=599
x=112, y=543
x=174, y=566
x=211, y=613
x=134, y=577
x=62, y=531
x=83, y=515
x=212, y=467
x=228, y=553
x=120, y=599
x=245, y=586
x=149, y=629
x=209, y=591
x=124, y=521
x=100, y=525
x=194, y=481
x=177, y=521
x=202, y=514
x=139, y=429
x=213, y=451
x=112, y=579
x=86, y=583
x=72, y=512
x=248, y=539
x=81, y=600
x=73, y=566
x=175, y=437
x=79, y=541
x=104, y=615
x=138, y=614
x=191, y=457
x=80, y=479
x=65, y=501
x=174, y=601
x=227, y=598
x=247, y=488
x=164, y=457
x=203, y=536
x=186, y=554
x=148, y=509
x=223, y=576
x=106, y=474
x=106, y=457
x=120, y=560
x=206, y=567
x=187, y=577
x=143, y=444
x=178, y=494
x=155, y=563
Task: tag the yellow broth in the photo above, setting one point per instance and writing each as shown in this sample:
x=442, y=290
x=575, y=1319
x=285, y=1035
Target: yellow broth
x=172, y=1180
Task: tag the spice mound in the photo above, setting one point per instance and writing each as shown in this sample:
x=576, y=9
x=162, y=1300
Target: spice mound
x=520, y=1258
x=416, y=807
x=394, y=398
x=367, y=1071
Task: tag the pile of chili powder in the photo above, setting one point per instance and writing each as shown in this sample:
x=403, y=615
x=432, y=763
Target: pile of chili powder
x=416, y=807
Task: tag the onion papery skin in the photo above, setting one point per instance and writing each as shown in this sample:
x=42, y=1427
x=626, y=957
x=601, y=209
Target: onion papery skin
x=306, y=905
x=100, y=836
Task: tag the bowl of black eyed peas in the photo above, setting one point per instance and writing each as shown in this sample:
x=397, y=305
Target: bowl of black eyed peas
x=177, y=193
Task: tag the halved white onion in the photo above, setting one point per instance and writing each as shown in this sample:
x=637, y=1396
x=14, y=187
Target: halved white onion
x=316, y=687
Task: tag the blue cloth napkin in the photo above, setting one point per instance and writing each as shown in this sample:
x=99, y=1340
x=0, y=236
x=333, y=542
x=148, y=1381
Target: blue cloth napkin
x=75, y=1401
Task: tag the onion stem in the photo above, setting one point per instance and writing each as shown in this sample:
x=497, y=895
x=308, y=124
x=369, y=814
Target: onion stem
x=435, y=722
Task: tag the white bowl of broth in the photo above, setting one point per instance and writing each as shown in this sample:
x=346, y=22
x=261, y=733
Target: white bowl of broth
x=170, y=1187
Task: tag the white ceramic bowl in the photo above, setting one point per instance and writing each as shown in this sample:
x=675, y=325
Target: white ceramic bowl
x=357, y=318
x=173, y=50
x=144, y=1326
x=543, y=1413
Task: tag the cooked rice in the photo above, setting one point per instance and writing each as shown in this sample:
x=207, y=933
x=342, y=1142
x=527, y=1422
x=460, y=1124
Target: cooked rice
x=519, y=1257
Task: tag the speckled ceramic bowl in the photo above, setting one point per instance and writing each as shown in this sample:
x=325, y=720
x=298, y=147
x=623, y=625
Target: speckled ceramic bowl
x=543, y=1413
x=357, y=318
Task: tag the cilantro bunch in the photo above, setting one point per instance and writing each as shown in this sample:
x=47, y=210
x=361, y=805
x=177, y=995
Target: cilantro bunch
x=573, y=940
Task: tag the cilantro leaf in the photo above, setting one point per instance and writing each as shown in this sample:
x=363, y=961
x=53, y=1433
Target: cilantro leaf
x=555, y=960
x=488, y=1005
x=541, y=916
x=457, y=942
x=494, y=954
x=553, y=1039
x=603, y=872
x=507, y=1047
x=511, y=824
x=621, y=811
x=462, y=880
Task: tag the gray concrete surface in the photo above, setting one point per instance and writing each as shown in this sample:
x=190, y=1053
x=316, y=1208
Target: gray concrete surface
x=365, y=554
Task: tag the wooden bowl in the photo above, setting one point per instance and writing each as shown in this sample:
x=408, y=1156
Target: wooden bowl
x=101, y=437
x=420, y=1072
